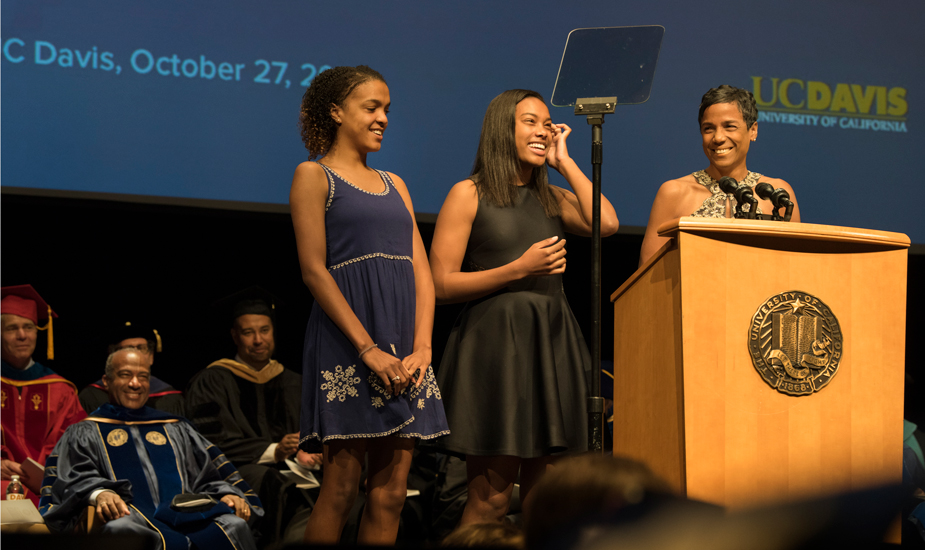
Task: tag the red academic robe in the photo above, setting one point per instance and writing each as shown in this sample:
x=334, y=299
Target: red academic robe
x=34, y=414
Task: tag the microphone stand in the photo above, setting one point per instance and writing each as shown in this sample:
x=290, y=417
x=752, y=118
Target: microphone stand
x=595, y=108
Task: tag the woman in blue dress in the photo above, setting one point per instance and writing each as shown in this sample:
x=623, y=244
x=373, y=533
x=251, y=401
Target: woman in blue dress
x=368, y=388
x=515, y=371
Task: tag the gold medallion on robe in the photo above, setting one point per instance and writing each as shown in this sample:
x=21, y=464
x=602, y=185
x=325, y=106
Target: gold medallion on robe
x=795, y=343
x=155, y=438
x=117, y=437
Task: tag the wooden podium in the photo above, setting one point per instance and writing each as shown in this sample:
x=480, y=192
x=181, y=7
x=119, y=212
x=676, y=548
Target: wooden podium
x=690, y=403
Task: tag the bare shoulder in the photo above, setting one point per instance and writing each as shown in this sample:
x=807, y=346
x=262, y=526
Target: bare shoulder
x=678, y=187
x=308, y=173
x=462, y=194
x=402, y=191
x=308, y=181
x=461, y=202
x=465, y=187
x=678, y=197
x=399, y=183
x=309, y=168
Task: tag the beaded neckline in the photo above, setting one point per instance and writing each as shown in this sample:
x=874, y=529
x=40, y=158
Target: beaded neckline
x=382, y=176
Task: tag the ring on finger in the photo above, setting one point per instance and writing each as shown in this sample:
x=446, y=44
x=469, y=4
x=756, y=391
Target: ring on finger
x=396, y=379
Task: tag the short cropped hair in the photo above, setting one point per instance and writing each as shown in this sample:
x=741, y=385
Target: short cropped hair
x=744, y=99
x=110, y=361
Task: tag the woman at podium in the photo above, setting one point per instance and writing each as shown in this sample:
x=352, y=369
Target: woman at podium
x=515, y=370
x=728, y=120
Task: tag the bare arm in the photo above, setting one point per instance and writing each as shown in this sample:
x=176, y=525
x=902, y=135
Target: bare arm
x=420, y=356
x=451, y=235
x=307, y=200
x=577, y=206
x=670, y=202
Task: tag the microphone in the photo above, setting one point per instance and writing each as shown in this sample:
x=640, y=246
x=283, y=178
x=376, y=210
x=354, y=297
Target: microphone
x=727, y=184
x=779, y=198
x=764, y=190
x=743, y=194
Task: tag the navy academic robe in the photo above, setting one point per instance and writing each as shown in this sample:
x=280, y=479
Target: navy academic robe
x=147, y=457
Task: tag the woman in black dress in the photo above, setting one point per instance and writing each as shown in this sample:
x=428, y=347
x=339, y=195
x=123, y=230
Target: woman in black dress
x=515, y=370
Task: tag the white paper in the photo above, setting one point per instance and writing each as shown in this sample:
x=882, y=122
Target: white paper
x=19, y=511
x=303, y=476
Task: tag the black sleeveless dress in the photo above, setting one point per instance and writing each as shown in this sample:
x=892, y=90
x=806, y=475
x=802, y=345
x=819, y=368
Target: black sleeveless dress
x=515, y=370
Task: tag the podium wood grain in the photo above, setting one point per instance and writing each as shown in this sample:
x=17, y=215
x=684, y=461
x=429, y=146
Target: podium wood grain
x=689, y=402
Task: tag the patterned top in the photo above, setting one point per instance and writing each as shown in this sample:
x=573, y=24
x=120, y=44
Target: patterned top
x=715, y=205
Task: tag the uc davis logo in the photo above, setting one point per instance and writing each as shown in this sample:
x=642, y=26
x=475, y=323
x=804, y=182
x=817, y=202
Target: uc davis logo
x=795, y=343
x=842, y=105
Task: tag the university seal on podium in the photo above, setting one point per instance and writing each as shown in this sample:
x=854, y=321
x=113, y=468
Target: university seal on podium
x=795, y=343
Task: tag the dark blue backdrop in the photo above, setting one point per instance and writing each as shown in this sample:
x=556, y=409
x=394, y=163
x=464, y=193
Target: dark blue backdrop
x=199, y=132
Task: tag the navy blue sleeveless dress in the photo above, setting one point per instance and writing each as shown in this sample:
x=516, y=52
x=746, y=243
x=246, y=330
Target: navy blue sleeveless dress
x=369, y=253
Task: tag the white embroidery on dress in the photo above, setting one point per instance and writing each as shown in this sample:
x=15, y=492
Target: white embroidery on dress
x=413, y=390
x=422, y=436
x=376, y=384
x=428, y=386
x=367, y=257
x=403, y=425
x=431, y=383
x=377, y=402
x=340, y=383
x=408, y=435
x=420, y=403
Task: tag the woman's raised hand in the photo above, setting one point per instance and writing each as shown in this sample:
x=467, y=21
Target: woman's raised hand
x=557, y=151
x=546, y=257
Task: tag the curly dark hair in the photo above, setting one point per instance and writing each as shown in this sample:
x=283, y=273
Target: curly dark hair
x=331, y=86
x=729, y=94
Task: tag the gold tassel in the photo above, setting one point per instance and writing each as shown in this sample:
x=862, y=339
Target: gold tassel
x=51, y=336
x=157, y=337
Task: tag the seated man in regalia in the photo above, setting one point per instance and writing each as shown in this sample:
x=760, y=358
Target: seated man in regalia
x=131, y=461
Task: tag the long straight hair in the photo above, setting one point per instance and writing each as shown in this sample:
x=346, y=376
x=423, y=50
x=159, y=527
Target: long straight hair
x=496, y=169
